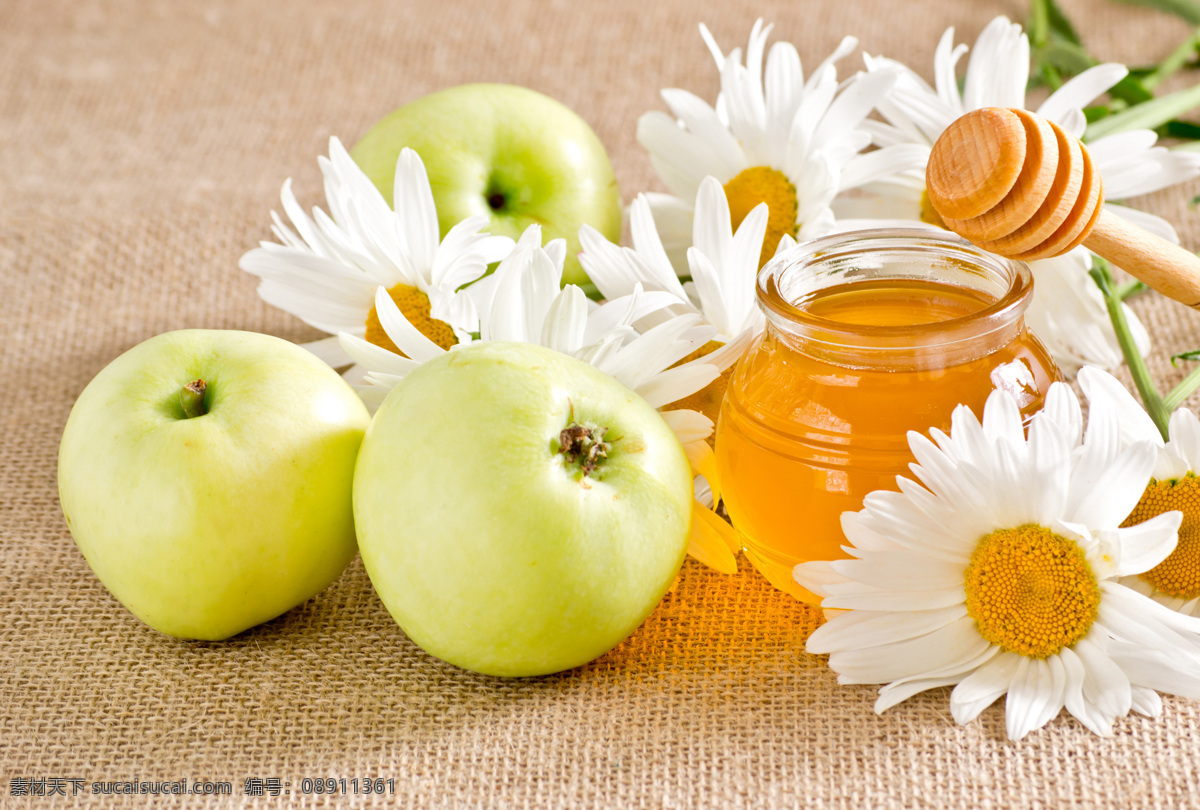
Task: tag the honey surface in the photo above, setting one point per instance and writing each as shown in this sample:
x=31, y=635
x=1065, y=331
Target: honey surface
x=801, y=440
x=895, y=303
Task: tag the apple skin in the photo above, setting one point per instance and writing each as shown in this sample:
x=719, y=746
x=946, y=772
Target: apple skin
x=534, y=158
x=206, y=526
x=488, y=549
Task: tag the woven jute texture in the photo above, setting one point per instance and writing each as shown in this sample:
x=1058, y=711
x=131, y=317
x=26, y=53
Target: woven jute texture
x=142, y=145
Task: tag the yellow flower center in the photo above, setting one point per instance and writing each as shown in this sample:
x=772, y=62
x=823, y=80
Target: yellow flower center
x=929, y=214
x=415, y=306
x=764, y=184
x=708, y=399
x=1030, y=591
x=1179, y=574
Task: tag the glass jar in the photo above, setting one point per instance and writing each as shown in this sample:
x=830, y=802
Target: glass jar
x=869, y=335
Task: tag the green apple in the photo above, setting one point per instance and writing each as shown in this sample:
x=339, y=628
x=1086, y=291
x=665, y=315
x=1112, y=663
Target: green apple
x=508, y=153
x=207, y=508
x=519, y=512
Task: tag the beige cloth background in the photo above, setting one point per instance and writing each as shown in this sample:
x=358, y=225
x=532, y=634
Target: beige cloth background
x=142, y=144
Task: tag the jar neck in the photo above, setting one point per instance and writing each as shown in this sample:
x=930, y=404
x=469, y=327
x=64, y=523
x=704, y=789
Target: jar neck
x=927, y=263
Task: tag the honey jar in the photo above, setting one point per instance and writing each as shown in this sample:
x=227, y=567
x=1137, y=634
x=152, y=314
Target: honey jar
x=869, y=335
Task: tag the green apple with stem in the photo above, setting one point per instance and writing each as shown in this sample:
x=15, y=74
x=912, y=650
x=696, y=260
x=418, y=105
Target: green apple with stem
x=518, y=511
x=206, y=476
x=509, y=153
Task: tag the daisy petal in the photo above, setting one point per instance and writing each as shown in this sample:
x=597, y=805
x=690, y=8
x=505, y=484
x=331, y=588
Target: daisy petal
x=565, y=322
x=1062, y=407
x=903, y=570
x=689, y=426
x=1146, y=702
x=1146, y=544
x=1114, y=489
x=1106, y=393
x=330, y=351
x=674, y=384
x=375, y=357
x=1032, y=697
x=983, y=687
x=1184, y=444
x=953, y=646
x=1080, y=92
x=859, y=629
x=1106, y=686
x=415, y=209
x=815, y=576
x=407, y=337
x=711, y=539
x=1146, y=221
x=1158, y=673
x=899, y=691
x=1073, y=700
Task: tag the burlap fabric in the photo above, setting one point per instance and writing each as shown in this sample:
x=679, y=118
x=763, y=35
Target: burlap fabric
x=142, y=145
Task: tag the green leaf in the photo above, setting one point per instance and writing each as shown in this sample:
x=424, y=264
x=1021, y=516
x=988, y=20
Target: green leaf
x=1045, y=74
x=1194, y=354
x=1068, y=57
x=1187, y=9
x=1037, y=27
x=1131, y=91
x=1175, y=60
x=1185, y=130
x=1060, y=60
x=1057, y=51
x=1147, y=115
x=1194, y=146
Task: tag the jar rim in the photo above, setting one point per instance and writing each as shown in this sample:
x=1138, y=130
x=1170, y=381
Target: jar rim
x=995, y=315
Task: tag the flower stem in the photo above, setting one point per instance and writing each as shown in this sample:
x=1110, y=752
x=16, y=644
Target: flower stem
x=1131, y=288
x=1174, y=61
x=191, y=399
x=1182, y=391
x=1038, y=22
x=1133, y=358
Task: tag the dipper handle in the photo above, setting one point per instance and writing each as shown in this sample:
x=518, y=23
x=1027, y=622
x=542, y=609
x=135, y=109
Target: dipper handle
x=1165, y=266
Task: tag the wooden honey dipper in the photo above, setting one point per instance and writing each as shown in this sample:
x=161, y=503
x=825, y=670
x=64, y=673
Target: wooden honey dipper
x=1015, y=184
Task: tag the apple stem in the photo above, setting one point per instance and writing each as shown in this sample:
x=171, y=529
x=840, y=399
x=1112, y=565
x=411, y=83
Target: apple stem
x=191, y=399
x=584, y=442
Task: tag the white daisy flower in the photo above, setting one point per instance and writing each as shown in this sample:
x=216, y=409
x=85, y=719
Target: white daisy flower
x=1175, y=486
x=326, y=271
x=525, y=304
x=724, y=269
x=772, y=137
x=724, y=262
x=999, y=574
x=996, y=76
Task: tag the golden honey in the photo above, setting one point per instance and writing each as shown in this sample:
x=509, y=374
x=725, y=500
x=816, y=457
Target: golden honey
x=869, y=335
